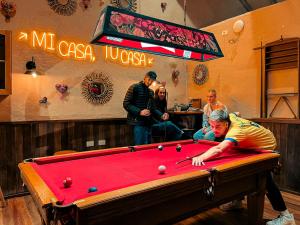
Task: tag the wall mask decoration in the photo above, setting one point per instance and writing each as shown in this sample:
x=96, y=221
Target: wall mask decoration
x=8, y=10
x=175, y=77
x=175, y=73
x=97, y=88
x=62, y=89
x=200, y=74
x=85, y=4
x=129, y=5
x=101, y=3
x=63, y=7
x=163, y=6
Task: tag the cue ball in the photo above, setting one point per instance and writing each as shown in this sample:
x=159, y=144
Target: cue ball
x=162, y=169
x=160, y=147
x=178, y=148
x=67, y=182
x=92, y=189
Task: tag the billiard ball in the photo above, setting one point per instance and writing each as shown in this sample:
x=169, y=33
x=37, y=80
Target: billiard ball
x=162, y=169
x=178, y=148
x=160, y=147
x=92, y=189
x=67, y=182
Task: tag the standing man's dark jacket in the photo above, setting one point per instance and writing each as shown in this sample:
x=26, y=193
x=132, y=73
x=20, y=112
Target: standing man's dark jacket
x=137, y=98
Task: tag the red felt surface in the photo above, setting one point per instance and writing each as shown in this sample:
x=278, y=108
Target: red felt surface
x=115, y=171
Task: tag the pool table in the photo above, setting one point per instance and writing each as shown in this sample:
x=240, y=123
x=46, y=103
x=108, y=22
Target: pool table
x=124, y=186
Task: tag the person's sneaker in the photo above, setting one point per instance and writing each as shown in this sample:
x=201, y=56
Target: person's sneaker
x=283, y=220
x=234, y=205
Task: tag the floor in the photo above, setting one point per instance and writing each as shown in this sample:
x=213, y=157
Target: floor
x=22, y=211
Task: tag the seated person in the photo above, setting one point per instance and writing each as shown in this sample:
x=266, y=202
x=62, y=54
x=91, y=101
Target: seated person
x=163, y=127
x=247, y=134
x=212, y=104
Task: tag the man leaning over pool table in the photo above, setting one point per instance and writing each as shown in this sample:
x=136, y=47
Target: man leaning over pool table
x=247, y=134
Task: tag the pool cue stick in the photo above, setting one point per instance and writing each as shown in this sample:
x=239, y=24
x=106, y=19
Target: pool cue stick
x=189, y=158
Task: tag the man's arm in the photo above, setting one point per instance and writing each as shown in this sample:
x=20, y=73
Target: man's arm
x=127, y=103
x=212, y=152
x=154, y=110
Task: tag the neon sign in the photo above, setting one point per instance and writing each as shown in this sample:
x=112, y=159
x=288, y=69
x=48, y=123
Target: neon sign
x=127, y=57
x=66, y=49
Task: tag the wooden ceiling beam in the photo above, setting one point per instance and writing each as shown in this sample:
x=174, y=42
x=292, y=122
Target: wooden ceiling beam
x=246, y=5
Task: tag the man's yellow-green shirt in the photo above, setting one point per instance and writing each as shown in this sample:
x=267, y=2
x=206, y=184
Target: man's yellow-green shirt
x=247, y=134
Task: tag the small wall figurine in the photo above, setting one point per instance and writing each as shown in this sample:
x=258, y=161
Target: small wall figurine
x=85, y=4
x=44, y=100
x=62, y=89
x=175, y=77
x=163, y=6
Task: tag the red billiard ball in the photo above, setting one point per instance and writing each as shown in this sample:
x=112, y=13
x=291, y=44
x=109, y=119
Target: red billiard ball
x=67, y=182
x=162, y=169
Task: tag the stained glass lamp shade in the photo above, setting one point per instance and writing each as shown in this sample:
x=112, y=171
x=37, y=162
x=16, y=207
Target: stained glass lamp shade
x=121, y=28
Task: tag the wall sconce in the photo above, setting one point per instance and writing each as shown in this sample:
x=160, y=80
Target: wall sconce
x=238, y=26
x=31, y=68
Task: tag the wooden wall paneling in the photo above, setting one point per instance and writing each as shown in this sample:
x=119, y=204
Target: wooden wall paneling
x=50, y=138
x=293, y=158
x=63, y=136
x=88, y=135
x=126, y=137
x=96, y=134
x=19, y=151
x=42, y=147
x=3, y=158
x=11, y=157
x=116, y=132
x=78, y=136
x=71, y=142
x=57, y=131
x=283, y=148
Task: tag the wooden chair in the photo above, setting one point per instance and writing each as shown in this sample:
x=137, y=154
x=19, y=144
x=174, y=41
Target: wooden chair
x=196, y=103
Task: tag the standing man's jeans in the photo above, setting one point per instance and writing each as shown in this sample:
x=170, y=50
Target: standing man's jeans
x=168, y=130
x=142, y=135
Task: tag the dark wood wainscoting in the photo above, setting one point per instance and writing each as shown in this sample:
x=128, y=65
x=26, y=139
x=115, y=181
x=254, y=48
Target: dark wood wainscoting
x=287, y=134
x=22, y=140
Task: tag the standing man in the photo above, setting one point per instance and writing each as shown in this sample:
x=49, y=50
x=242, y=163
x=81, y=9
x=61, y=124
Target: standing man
x=138, y=103
x=212, y=104
x=247, y=134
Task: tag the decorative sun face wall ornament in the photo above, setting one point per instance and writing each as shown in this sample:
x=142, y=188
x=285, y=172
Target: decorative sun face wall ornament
x=63, y=7
x=8, y=9
x=200, y=74
x=97, y=88
x=129, y=5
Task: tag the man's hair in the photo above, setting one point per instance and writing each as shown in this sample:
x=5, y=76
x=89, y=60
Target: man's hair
x=219, y=115
x=213, y=91
x=152, y=75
